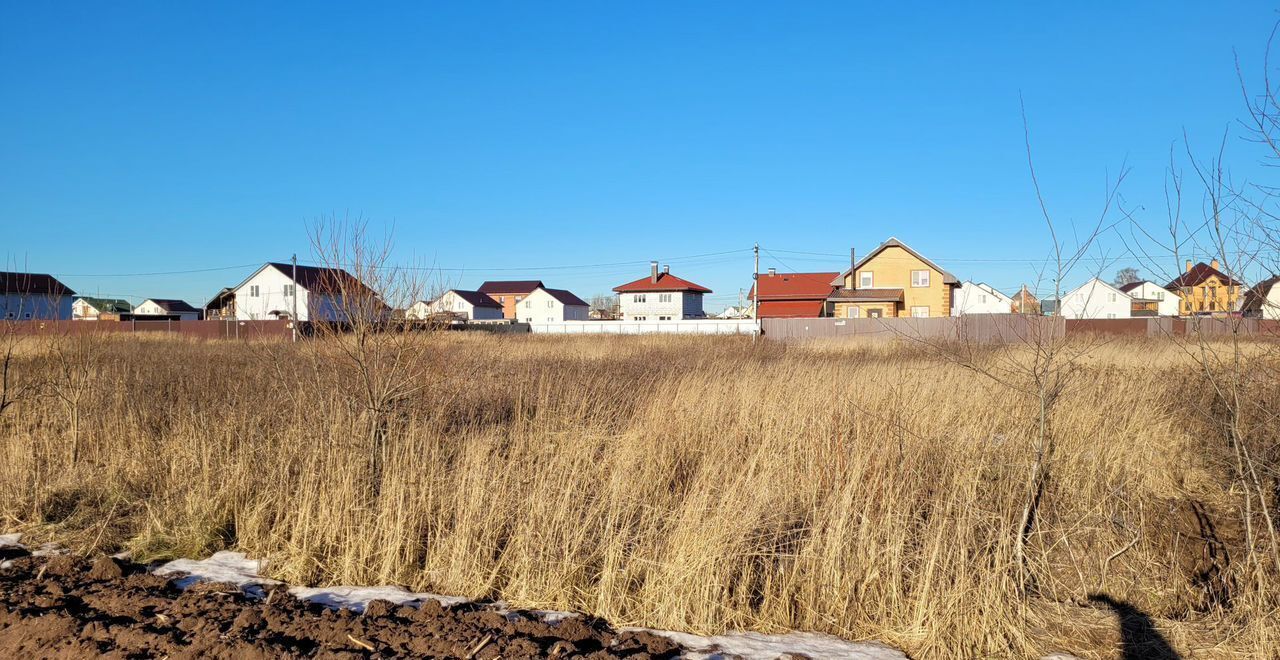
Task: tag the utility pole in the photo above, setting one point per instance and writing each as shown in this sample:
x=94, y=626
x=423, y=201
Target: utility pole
x=294, y=291
x=755, y=293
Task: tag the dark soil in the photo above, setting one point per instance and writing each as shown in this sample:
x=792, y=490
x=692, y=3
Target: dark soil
x=66, y=607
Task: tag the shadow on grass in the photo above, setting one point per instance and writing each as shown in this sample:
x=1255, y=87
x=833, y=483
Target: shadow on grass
x=1139, y=638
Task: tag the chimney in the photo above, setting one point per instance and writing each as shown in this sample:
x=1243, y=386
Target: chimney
x=1214, y=264
x=666, y=270
x=1188, y=265
x=653, y=272
x=773, y=271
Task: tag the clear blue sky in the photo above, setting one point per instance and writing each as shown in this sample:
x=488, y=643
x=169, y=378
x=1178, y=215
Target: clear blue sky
x=165, y=136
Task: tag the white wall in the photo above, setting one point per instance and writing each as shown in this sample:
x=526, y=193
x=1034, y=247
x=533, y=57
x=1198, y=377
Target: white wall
x=18, y=307
x=1095, y=299
x=1271, y=305
x=681, y=305
x=697, y=327
x=83, y=311
x=271, y=297
x=1167, y=301
x=542, y=307
x=451, y=302
x=149, y=307
x=974, y=298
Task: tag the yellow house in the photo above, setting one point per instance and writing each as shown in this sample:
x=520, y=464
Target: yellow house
x=893, y=280
x=1205, y=290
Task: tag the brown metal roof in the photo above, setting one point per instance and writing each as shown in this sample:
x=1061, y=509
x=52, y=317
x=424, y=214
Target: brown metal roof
x=33, y=284
x=477, y=299
x=566, y=297
x=1197, y=275
x=510, y=286
x=866, y=295
x=173, y=306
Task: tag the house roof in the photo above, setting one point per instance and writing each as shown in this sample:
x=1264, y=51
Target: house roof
x=220, y=299
x=794, y=286
x=947, y=277
x=510, y=286
x=319, y=279
x=866, y=295
x=1197, y=275
x=791, y=309
x=173, y=306
x=476, y=299
x=108, y=305
x=666, y=282
x=1256, y=296
x=1132, y=285
x=989, y=289
x=33, y=284
x=566, y=297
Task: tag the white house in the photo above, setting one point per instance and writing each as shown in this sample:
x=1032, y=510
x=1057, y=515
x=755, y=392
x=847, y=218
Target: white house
x=979, y=298
x=30, y=296
x=167, y=307
x=1151, y=299
x=92, y=309
x=1095, y=299
x=1263, y=300
x=661, y=297
x=552, y=306
x=269, y=294
x=470, y=305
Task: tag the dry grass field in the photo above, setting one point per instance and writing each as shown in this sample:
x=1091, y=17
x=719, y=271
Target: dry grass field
x=704, y=484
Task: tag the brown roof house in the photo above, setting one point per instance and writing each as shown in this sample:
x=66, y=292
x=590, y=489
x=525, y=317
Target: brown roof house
x=893, y=280
x=31, y=296
x=276, y=290
x=1206, y=291
x=457, y=304
x=509, y=293
x=1262, y=301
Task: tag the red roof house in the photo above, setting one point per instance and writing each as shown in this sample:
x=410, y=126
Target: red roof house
x=661, y=297
x=793, y=295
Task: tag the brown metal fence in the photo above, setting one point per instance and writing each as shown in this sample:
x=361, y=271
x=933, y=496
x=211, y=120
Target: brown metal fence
x=193, y=329
x=975, y=328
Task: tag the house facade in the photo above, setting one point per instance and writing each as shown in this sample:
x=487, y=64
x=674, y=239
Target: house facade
x=34, y=296
x=893, y=280
x=1262, y=301
x=1025, y=302
x=544, y=305
x=167, y=307
x=792, y=295
x=1206, y=291
x=460, y=304
x=1151, y=299
x=1095, y=299
x=323, y=294
x=94, y=309
x=661, y=297
x=509, y=293
x=979, y=298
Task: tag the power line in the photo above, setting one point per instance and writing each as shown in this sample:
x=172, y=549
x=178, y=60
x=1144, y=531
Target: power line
x=167, y=272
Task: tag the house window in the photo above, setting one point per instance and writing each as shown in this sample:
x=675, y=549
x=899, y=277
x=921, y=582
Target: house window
x=639, y=318
x=1111, y=297
x=550, y=320
x=551, y=304
x=919, y=278
x=289, y=290
x=664, y=297
x=528, y=304
x=1159, y=295
x=920, y=312
x=852, y=312
x=639, y=297
x=1111, y=316
x=984, y=297
x=253, y=290
x=502, y=299
x=866, y=279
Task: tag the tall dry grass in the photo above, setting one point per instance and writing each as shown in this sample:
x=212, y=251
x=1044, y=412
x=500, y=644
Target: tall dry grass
x=674, y=482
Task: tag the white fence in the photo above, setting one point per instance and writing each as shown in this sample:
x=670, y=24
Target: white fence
x=691, y=327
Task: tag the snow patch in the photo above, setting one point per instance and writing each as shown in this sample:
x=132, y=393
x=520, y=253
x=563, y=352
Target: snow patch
x=223, y=566
x=758, y=646
x=357, y=598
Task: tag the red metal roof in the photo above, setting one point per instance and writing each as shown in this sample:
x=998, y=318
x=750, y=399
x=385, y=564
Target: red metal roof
x=666, y=282
x=791, y=309
x=795, y=286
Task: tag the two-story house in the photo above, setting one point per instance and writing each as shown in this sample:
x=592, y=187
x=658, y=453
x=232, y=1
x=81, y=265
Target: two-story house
x=1206, y=291
x=86, y=308
x=1150, y=299
x=28, y=296
x=661, y=297
x=893, y=280
x=509, y=294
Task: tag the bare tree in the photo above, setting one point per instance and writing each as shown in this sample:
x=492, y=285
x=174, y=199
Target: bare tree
x=1127, y=275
